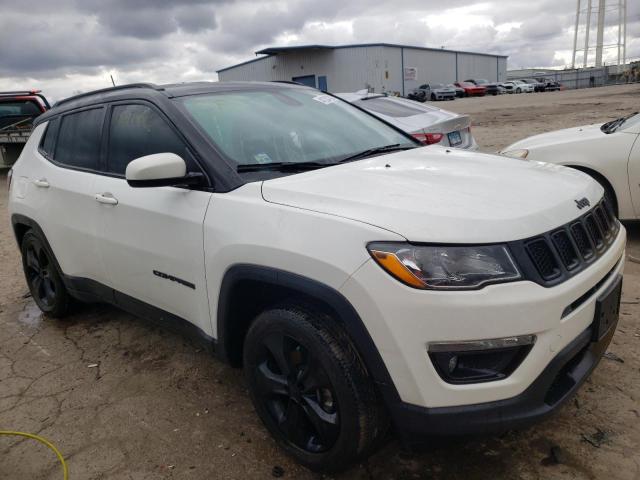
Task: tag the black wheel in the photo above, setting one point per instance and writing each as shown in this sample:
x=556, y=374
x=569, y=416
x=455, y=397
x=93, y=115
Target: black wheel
x=310, y=389
x=433, y=97
x=518, y=90
x=43, y=278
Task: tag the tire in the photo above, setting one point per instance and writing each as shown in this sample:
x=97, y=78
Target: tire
x=325, y=412
x=433, y=97
x=518, y=91
x=43, y=278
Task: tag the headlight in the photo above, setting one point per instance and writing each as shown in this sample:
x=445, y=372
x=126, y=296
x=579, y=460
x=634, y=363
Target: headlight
x=522, y=153
x=445, y=267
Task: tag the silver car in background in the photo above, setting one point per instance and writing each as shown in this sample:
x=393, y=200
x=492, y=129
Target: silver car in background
x=429, y=124
x=433, y=92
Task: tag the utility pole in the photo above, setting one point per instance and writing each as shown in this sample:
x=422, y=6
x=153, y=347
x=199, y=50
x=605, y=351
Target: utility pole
x=600, y=32
x=586, y=36
x=575, y=36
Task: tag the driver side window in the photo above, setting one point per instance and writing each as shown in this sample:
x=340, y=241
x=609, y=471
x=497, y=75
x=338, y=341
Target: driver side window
x=137, y=130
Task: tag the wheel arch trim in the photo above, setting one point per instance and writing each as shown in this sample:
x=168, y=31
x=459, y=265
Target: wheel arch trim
x=345, y=314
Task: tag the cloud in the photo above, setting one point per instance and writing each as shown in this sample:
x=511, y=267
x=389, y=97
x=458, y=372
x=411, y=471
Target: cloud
x=68, y=45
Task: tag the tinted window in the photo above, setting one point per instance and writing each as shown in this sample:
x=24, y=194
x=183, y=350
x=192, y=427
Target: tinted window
x=49, y=137
x=24, y=107
x=79, y=139
x=388, y=107
x=136, y=131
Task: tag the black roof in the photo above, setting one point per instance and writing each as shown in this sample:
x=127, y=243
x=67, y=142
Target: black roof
x=151, y=90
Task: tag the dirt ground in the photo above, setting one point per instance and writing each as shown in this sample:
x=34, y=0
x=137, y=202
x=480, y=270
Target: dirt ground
x=123, y=399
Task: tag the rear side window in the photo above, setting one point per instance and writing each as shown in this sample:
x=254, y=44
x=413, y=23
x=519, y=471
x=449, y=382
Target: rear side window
x=79, y=139
x=48, y=143
x=138, y=130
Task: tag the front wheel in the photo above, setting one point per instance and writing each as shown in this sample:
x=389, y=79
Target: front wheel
x=310, y=388
x=518, y=91
x=44, y=280
x=433, y=97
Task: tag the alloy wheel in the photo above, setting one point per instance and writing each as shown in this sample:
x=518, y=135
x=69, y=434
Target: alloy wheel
x=297, y=393
x=39, y=269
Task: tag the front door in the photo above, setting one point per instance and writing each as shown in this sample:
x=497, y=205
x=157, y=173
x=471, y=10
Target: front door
x=152, y=238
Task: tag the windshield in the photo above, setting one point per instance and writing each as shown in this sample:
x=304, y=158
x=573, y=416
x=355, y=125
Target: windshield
x=481, y=81
x=293, y=125
x=437, y=85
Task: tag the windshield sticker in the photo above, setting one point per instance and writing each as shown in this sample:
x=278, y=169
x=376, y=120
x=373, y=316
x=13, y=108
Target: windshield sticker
x=326, y=99
x=262, y=158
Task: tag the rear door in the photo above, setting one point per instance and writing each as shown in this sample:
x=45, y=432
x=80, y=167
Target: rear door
x=152, y=238
x=70, y=157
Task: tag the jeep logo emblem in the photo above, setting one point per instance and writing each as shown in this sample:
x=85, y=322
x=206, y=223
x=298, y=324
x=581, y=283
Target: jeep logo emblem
x=583, y=202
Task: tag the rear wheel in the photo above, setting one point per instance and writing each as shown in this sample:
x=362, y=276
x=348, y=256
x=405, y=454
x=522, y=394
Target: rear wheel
x=310, y=389
x=43, y=278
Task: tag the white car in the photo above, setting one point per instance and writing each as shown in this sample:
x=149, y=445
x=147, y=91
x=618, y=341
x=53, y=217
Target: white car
x=429, y=124
x=518, y=86
x=440, y=291
x=610, y=153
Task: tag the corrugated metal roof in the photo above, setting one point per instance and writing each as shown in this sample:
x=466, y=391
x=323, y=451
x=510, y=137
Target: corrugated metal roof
x=278, y=50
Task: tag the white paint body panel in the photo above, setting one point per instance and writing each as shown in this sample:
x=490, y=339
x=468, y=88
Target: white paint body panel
x=433, y=194
x=615, y=156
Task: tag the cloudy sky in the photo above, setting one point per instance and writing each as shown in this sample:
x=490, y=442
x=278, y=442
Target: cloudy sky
x=66, y=46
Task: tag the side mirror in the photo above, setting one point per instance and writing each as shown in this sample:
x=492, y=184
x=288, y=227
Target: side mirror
x=160, y=170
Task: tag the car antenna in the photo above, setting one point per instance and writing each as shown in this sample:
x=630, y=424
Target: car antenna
x=112, y=81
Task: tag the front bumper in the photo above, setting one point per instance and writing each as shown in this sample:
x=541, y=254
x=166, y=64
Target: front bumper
x=402, y=321
x=557, y=383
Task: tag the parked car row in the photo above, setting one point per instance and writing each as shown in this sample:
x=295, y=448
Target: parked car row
x=478, y=87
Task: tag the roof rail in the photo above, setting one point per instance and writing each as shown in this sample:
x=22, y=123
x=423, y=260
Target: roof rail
x=109, y=89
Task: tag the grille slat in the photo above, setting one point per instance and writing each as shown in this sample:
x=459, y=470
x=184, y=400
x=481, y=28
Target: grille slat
x=563, y=252
x=566, y=250
x=543, y=258
x=581, y=238
x=594, y=231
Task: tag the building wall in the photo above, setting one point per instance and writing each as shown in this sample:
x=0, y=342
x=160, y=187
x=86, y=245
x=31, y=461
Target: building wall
x=432, y=67
x=379, y=68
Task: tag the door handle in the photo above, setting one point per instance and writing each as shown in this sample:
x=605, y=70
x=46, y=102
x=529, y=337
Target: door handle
x=42, y=183
x=106, y=198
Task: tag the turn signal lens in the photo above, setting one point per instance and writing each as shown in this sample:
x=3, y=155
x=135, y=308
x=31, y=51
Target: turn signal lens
x=394, y=266
x=521, y=154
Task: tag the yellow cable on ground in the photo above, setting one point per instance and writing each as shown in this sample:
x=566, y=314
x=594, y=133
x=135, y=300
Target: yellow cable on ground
x=44, y=441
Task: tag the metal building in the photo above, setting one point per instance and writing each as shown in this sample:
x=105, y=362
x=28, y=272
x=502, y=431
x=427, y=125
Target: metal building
x=380, y=67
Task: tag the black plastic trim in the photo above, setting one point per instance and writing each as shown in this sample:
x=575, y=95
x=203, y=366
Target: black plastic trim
x=88, y=290
x=340, y=306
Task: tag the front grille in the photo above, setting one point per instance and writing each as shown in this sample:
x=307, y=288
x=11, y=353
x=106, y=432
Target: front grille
x=553, y=257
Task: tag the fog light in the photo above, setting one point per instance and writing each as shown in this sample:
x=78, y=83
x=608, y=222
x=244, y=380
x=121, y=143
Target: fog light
x=479, y=360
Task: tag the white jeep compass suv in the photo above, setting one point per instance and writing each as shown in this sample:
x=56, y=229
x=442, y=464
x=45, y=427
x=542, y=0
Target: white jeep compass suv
x=361, y=280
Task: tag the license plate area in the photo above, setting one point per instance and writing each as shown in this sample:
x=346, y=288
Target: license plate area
x=607, y=310
x=455, y=138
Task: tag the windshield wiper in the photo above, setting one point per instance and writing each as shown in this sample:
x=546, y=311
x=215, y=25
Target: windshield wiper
x=374, y=151
x=613, y=125
x=282, y=166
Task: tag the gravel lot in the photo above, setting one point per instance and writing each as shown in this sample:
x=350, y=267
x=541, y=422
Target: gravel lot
x=123, y=399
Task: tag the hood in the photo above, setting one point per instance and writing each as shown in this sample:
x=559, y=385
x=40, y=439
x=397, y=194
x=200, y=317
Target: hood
x=558, y=137
x=434, y=194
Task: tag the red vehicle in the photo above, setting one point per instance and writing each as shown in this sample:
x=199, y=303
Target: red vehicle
x=472, y=90
x=17, y=112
